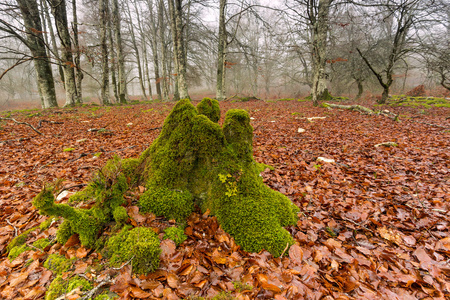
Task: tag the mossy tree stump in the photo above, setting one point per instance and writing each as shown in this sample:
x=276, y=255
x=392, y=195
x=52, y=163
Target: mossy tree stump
x=194, y=161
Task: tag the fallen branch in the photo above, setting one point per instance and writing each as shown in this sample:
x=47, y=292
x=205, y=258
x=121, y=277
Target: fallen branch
x=13, y=140
x=45, y=121
x=22, y=123
x=430, y=124
x=363, y=110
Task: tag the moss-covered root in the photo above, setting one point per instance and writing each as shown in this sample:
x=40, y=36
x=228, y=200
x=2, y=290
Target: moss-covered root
x=87, y=223
x=140, y=245
x=210, y=108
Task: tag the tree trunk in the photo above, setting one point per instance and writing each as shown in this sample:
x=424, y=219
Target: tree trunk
x=176, y=93
x=320, y=36
x=220, y=88
x=162, y=42
x=359, y=82
x=120, y=54
x=77, y=59
x=154, y=46
x=136, y=51
x=58, y=8
x=54, y=49
x=103, y=9
x=179, y=48
x=113, y=68
x=35, y=42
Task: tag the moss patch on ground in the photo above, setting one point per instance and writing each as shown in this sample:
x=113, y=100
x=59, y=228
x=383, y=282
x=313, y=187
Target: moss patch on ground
x=175, y=234
x=57, y=263
x=418, y=102
x=61, y=286
x=140, y=245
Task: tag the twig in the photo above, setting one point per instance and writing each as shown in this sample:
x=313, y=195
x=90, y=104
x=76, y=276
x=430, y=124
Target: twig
x=15, y=228
x=22, y=123
x=121, y=267
x=91, y=293
x=287, y=246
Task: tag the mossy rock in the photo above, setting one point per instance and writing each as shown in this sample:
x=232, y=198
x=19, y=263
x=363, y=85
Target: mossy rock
x=141, y=245
x=195, y=156
x=61, y=286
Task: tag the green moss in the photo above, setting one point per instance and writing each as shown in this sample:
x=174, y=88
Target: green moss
x=223, y=296
x=68, y=149
x=41, y=243
x=58, y=263
x=120, y=215
x=106, y=189
x=172, y=204
x=19, y=240
x=210, y=108
x=106, y=295
x=175, y=234
x=261, y=167
x=60, y=286
x=64, y=232
x=141, y=245
x=195, y=156
x=286, y=99
x=240, y=286
x=16, y=251
x=442, y=105
x=46, y=224
x=129, y=167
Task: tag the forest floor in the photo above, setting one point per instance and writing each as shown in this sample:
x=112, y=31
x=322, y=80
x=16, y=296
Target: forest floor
x=375, y=224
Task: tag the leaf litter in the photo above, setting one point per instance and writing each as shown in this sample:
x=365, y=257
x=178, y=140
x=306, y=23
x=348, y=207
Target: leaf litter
x=374, y=224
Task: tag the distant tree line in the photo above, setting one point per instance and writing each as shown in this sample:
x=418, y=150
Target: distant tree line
x=169, y=47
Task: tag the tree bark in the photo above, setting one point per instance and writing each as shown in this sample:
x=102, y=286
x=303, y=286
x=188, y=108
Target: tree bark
x=54, y=49
x=59, y=11
x=77, y=59
x=220, y=88
x=138, y=56
x=35, y=42
x=162, y=42
x=176, y=94
x=113, y=68
x=179, y=48
x=120, y=54
x=154, y=47
x=319, y=45
x=103, y=9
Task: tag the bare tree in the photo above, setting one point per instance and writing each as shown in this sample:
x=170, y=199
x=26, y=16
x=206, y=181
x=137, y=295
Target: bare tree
x=34, y=41
x=58, y=8
x=115, y=15
x=103, y=10
x=177, y=10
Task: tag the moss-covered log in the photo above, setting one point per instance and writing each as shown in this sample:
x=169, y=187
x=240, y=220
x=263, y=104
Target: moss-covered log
x=193, y=162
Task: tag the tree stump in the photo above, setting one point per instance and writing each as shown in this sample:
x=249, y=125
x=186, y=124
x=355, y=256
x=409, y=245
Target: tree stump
x=193, y=162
